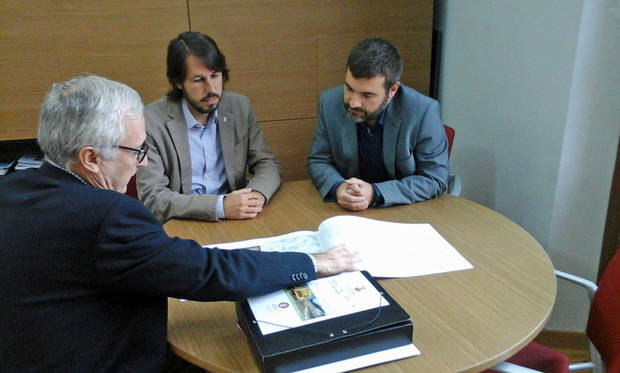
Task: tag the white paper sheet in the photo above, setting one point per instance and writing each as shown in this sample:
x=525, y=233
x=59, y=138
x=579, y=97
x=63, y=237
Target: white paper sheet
x=387, y=249
x=362, y=361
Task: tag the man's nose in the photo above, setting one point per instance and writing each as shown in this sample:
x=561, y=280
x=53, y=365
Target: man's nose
x=354, y=102
x=208, y=86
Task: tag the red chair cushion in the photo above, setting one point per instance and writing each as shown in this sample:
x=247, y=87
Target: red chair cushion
x=541, y=358
x=450, y=135
x=604, y=319
x=132, y=191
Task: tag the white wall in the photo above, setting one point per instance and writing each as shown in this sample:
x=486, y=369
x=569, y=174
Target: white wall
x=532, y=90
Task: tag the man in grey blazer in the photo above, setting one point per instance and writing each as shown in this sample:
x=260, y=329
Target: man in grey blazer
x=377, y=141
x=202, y=141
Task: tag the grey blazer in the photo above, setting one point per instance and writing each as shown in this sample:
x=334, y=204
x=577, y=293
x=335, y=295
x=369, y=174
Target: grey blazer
x=165, y=183
x=415, y=147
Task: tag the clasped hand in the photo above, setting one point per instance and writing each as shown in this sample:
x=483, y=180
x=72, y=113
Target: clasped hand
x=243, y=204
x=355, y=194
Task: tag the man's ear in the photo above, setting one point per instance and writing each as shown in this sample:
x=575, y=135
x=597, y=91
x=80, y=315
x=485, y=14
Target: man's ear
x=89, y=159
x=393, y=90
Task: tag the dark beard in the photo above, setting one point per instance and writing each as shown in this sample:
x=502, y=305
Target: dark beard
x=368, y=118
x=202, y=110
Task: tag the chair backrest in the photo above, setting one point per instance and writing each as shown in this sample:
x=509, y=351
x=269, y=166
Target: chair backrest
x=132, y=191
x=450, y=134
x=604, y=320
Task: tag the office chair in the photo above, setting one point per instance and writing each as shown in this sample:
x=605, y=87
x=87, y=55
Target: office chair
x=454, y=181
x=132, y=191
x=603, y=330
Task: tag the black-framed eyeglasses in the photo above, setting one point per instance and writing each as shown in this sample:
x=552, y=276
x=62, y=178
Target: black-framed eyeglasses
x=141, y=153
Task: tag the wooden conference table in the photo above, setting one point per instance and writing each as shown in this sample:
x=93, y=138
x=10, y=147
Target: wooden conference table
x=464, y=321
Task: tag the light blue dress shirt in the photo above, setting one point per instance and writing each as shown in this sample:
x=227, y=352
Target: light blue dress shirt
x=208, y=173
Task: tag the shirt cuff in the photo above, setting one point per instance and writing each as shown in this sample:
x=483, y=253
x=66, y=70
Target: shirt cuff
x=331, y=195
x=379, y=200
x=314, y=263
x=219, y=207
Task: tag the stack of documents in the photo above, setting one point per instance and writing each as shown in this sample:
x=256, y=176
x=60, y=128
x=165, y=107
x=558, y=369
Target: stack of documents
x=30, y=159
x=5, y=166
x=7, y=160
x=332, y=324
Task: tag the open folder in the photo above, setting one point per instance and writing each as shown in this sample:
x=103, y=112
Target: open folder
x=325, y=321
x=386, y=249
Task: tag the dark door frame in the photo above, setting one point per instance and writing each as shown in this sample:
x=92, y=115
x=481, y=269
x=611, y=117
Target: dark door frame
x=611, y=236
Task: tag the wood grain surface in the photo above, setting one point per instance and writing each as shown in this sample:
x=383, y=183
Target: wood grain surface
x=463, y=321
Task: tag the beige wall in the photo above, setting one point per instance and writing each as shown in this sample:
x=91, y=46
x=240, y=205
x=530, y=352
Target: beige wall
x=281, y=53
x=531, y=88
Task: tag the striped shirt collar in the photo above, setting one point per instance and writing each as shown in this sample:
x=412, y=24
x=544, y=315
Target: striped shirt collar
x=67, y=171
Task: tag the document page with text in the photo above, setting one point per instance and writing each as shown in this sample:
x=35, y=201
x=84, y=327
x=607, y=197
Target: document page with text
x=315, y=301
x=387, y=249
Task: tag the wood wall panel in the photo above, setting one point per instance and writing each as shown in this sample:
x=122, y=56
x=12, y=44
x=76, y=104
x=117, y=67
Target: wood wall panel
x=49, y=41
x=281, y=53
x=407, y=24
x=270, y=49
x=28, y=66
x=285, y=57
x=290, y=142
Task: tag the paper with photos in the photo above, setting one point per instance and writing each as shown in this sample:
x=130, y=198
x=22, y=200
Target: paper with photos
x=315, y=301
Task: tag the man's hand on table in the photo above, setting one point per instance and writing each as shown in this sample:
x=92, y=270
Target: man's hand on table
x=243, y=204
x=355, y=194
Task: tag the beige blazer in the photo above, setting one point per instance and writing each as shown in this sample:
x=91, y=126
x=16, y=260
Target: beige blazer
x=165, y=183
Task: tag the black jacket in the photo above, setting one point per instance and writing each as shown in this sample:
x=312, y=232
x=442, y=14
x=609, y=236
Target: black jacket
x=85, y=272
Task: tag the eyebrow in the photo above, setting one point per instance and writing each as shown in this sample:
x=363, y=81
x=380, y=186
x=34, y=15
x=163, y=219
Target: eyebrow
x=369, y=93
x=201, y=75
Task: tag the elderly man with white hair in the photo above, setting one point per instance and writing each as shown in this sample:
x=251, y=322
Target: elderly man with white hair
x=86, y=270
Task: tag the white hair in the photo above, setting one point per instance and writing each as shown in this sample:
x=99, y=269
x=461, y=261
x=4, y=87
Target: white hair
x=85, y=111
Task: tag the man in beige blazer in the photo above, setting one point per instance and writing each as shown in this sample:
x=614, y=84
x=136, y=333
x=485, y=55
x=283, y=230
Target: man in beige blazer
x=202, y=141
